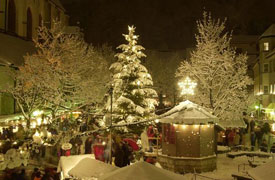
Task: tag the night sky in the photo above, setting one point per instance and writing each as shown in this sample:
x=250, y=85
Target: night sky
x=164, y=24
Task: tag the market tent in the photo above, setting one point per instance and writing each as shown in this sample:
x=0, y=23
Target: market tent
x=188, y=113
x=141, y=170
x=88, y=168
x=263, y=172
x=66, y=163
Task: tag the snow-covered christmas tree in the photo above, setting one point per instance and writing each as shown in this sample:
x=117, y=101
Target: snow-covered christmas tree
x=133, y=96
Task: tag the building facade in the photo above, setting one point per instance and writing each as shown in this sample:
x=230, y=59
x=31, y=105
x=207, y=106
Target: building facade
x=19, y=20
x=22, y=17
x=264, y=71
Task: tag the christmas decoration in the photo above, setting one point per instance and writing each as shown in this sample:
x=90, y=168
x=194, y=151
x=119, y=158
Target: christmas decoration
x=132, y=84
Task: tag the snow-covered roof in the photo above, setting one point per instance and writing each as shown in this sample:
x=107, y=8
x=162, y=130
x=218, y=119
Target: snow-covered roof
x=12, y=49
x=89, y=167
x=66, y=163
x=141, y=170
x=269, y=32
x=188, y=113
x=263, y=172
x=234, y=123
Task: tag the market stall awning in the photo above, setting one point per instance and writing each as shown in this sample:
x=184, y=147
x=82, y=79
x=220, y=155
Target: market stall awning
x=141, y=171
x=188, y=113
x=66, y=163
x=234, y=123
x=88, y=168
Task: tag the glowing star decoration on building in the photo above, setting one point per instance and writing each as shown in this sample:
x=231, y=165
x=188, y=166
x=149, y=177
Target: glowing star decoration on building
x=187, y=86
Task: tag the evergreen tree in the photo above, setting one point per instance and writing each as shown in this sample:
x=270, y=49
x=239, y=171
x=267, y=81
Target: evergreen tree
x=133, y=94
x=220, y=72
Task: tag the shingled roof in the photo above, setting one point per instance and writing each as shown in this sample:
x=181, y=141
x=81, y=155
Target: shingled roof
x=269, y=32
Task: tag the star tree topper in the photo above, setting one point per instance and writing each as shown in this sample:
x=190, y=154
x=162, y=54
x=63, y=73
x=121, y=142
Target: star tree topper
x=187, y=86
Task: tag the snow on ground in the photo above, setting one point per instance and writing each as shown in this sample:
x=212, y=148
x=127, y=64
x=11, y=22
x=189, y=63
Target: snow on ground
x=227, y=166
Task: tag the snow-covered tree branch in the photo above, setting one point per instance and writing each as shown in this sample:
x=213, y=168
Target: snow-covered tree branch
x=221, y=74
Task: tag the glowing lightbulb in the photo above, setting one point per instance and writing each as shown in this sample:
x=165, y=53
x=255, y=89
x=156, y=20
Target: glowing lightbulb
x=36, y=134
x=39, y=121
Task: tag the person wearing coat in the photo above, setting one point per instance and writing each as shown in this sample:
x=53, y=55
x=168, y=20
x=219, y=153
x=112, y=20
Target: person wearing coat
x=88, y=145
x=119, y=155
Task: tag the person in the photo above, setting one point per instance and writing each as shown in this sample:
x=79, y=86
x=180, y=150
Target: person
x=38, y=176
x=220, y=139
x=263, y=146
x=107, y=151
x=119, y=154
x=47, y=175
x=252, y=139
x=144, y=141
x=126, y=154
x=22, y=175
x=231, y=137
x=151, y=134
x=272, y=149
x=88, y=145
x=237, y=139
x=35, y=170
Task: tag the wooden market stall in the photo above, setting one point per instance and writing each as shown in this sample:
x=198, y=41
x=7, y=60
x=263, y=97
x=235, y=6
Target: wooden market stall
x=188, y=143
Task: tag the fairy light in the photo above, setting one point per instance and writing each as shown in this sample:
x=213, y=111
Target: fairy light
x=39, y=121
x=187, y=86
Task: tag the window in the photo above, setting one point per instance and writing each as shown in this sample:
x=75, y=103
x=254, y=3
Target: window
x=265, y=68
x=266, y=46
x=265, y=89
x=11, y=16
x=271, y=88
x=29, y=24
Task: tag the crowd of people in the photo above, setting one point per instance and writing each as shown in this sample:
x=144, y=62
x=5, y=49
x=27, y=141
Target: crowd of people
x=237, y=137
x=36, y=174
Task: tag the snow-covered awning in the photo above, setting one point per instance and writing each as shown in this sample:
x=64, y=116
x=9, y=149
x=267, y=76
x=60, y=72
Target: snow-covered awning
x=188, y=113
x=141, y=170
x=235, y=123
x=263, y=172
x=66, y=163
x=88, y=168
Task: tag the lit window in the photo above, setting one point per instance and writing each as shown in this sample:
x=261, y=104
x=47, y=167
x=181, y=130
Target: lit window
x=265, y=68
x=266, y=46
x=271, y=88
x=265, y=89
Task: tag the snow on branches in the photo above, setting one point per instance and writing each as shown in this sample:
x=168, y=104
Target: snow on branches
x=221, y=74
x=133, y=93
x=63, y=74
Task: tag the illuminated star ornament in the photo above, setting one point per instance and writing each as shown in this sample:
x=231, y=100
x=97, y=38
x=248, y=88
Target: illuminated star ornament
x=187, y=86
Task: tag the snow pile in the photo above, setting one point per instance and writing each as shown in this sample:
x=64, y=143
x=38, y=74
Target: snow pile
x=88, y=168
x=188, y=113
x=141, y=171
x=263, y=172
